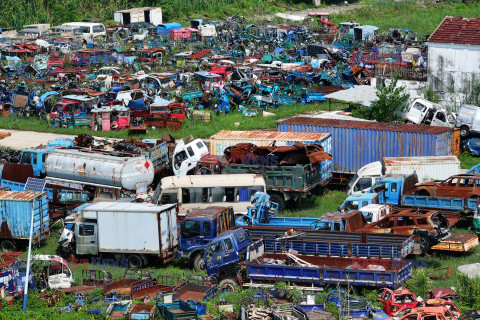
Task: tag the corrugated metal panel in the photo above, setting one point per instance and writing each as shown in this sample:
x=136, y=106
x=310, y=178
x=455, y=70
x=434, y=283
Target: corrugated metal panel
x=16, y=212
x=357, y=143
x=427, y=168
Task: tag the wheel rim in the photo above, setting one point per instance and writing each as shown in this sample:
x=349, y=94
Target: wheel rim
x=8, y=246
x=228, y=287
x=135, y=262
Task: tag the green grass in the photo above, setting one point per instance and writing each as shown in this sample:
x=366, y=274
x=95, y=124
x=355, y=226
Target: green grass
x=422, y=17
x=195, y=128
x=467, y=160
x=316, y=206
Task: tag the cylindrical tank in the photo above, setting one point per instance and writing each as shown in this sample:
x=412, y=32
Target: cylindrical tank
x=86, y=166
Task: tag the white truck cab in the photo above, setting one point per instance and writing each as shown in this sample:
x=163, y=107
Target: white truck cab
x=187, y=154
x=365, y=178
x=422, y=111
x=375, y=212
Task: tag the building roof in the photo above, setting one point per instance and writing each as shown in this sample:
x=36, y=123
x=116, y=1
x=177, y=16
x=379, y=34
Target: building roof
x=367, y=125
x=457, y=30
x=364, y=95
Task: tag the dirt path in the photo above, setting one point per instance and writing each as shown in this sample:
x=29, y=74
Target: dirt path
x=28, y=139
x=333, y=9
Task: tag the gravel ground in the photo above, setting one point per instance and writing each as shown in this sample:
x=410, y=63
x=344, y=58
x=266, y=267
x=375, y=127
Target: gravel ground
x=28, y=139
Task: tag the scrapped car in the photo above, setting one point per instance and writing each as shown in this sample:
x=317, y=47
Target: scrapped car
x=472, y=145
x=457, y=186
x=395, y=300
x=454, y=310
x=430, y=225
x=444, y=293
x=425, y=313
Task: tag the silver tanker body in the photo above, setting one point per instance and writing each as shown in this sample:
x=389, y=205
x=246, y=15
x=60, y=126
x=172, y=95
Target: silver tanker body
x=90, y=167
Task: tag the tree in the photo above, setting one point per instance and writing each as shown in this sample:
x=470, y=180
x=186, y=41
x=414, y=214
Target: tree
x=388, y=107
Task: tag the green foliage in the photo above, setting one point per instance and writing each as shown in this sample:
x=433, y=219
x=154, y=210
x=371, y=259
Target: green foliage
x=469, y=291
x=21, y=12
x=420, y=16
x=388, y=107
x=468, y=160
x=430, y=95
x=196, y=128
x=420, y=283
x=323, y=201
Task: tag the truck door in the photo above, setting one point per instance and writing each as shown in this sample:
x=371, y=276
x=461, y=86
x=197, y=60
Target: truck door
x=213, y=257
x=86, y=238
x=393, y=193
x=475, y=125
x=440, y=119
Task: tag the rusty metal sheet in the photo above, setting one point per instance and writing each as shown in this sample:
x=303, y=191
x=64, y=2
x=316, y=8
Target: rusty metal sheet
x=367, y=125
x=17, y=195
x=17, y=172
x=458, y=242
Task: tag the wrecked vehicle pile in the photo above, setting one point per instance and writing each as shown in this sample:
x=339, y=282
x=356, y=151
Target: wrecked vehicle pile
x=137, y=213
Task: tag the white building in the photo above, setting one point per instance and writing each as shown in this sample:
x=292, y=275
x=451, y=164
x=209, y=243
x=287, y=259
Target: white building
x=152, y=15
x=454, y=59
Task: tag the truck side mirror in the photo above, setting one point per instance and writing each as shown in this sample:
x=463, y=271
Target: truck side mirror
x=339, y=208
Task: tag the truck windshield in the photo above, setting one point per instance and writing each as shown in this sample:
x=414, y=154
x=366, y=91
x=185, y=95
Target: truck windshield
x=352, y=182
x=213, y=249
x=190, y=229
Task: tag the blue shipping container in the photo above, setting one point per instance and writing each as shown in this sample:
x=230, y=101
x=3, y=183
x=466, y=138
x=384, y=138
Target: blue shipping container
x=357, y=143
x=16, y=213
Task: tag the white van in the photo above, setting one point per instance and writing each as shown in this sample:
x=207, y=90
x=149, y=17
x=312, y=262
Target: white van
x=90, y=30
x=201, y=191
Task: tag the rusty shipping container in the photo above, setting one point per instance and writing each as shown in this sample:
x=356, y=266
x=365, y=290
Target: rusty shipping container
x=357, y=143
x=16, y=213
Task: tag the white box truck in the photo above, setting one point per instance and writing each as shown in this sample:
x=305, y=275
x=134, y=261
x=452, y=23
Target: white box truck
x=123, y=230
x=427, y=169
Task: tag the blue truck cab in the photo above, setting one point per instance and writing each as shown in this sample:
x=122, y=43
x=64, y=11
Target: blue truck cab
x=224, y=253
x=388, y=190
x=36, y=158
x=199, y=228
x=360, y=200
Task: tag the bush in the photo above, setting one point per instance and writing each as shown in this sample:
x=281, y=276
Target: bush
x=389, y=106
x=420, y=283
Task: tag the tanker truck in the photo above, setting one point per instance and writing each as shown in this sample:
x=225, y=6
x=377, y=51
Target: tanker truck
x=103, y=175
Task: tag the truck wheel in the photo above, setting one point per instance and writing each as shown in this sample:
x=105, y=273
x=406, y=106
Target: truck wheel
x=278, y=199
x=135, y=261
x=198, y=262
x=464, y=131
x=8, y=246
x=228, y=285
x=424, y=244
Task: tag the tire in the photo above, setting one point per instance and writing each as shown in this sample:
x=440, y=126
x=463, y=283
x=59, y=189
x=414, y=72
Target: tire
x=228, y=285
x=278, y=199
x=7, y=246
x=198, y=262
x=424, y=244
x=464, y=131
x=135, y=261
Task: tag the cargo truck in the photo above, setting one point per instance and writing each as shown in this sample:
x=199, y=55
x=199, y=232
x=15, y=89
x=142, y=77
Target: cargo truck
x=15, y=217
x=234, y=261
x=358, y=143
x=426, y=168
x=137, y=232
x=397, y=190
x=202, y=225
